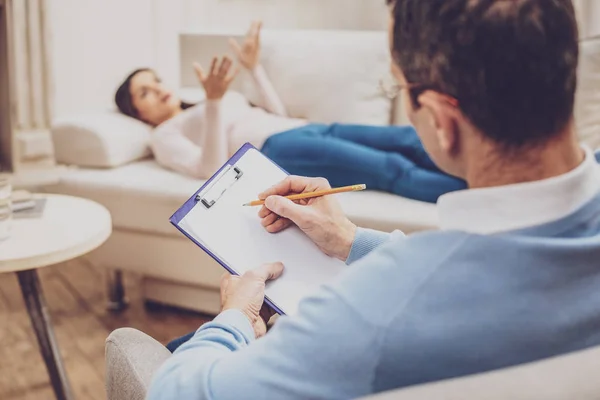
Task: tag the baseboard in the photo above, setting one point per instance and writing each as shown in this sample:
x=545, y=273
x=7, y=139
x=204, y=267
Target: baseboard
x=196, y=298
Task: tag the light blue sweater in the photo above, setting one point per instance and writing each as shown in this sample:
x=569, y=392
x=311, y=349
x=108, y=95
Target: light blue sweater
x=416, y=309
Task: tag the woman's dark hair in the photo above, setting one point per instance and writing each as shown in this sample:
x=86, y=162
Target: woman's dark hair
x=124, y=100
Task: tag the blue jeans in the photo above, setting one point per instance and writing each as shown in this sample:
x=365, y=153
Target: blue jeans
x=386, y=158
x=174, y=344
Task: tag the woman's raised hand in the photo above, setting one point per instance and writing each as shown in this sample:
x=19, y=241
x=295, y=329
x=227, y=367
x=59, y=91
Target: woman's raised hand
x=220, y=75
x=248, y=53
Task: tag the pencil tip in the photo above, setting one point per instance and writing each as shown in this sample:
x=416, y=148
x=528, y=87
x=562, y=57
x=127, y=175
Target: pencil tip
x=245, y=205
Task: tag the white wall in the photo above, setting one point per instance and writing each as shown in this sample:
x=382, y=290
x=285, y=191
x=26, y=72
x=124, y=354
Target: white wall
x=96, y=43
x=289, y=14
x=236, y=16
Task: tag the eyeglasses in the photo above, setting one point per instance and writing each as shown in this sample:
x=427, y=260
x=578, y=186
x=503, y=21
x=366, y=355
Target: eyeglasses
x=391, y=88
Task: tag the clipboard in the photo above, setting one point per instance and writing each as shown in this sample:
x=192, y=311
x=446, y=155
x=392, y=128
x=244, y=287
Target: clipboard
x=309, y=267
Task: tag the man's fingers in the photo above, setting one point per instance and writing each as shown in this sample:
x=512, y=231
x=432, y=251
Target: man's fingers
x=266, y=272
x=264, y=212
x=295, y=184
x=225, y=280
x=269, y=219
x=272, y=222
x=285, y=208
x=225, y=277
x=279, y=225
x=291, y=184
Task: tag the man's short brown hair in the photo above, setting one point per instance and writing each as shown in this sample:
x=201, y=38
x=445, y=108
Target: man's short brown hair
x=511, y=64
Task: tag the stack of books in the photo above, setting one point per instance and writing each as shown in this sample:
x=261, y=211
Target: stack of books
x=22, y=200
x=26, y=205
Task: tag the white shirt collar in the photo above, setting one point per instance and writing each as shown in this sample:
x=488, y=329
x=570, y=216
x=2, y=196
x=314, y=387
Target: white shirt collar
x=522, y=205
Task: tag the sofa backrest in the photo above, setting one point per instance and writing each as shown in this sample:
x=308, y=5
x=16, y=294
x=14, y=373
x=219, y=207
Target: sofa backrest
x=322, y=75
x=332, y=76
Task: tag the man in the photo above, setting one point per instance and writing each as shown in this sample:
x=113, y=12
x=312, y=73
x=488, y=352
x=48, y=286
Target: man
x=511, y=277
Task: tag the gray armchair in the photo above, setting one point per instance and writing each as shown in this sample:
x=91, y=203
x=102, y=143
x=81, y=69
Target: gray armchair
x=132, y=357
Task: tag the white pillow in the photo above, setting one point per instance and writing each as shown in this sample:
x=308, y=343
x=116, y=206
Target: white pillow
x=104, y=139
x=327, y=76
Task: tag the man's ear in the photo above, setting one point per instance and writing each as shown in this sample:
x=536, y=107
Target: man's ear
x=442, y=117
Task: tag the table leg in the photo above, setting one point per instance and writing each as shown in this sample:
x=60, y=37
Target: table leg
x=40, y=319
x=116, y=291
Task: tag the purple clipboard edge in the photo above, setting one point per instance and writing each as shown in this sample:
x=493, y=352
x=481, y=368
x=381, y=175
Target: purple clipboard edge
x=191, y=203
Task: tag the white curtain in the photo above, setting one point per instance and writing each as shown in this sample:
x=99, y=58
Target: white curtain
x=29, y=69
x=26, y=98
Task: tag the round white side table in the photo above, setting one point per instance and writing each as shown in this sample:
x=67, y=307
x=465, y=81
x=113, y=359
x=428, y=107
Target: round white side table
x=68, y=228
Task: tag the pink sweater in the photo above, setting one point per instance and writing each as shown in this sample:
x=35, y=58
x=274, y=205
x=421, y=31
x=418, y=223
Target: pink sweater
x=201, y=139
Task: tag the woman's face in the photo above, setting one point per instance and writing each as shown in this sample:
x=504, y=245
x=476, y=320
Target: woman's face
x=154, y=103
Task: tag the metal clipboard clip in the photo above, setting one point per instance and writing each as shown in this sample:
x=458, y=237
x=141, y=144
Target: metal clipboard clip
x=227, y=178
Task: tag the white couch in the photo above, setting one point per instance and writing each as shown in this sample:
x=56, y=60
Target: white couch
x=325, y=76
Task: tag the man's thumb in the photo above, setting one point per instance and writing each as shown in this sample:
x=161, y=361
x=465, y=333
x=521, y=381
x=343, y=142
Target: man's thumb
x=284, y=207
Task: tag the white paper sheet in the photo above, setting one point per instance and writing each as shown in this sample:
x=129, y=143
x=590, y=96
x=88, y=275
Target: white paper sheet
x=234, y=234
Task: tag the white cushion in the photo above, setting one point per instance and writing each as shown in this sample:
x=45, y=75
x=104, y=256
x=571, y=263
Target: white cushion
x=587, y=108
x=142, y=196
x=102, y=139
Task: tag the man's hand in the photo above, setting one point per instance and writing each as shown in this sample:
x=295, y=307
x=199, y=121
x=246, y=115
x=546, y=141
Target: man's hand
x=247, y=294
x=321, y=218
x=216, y=82
x=248, y=52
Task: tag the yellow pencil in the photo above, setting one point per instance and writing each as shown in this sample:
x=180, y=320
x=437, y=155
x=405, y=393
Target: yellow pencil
x=310, y=195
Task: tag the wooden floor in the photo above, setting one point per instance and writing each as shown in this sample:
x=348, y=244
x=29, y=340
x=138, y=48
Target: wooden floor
x=75, y=294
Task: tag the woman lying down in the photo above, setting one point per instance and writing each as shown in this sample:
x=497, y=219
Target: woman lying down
x=196, y=140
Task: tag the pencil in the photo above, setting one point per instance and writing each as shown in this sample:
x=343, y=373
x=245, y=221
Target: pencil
x=311, y=195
